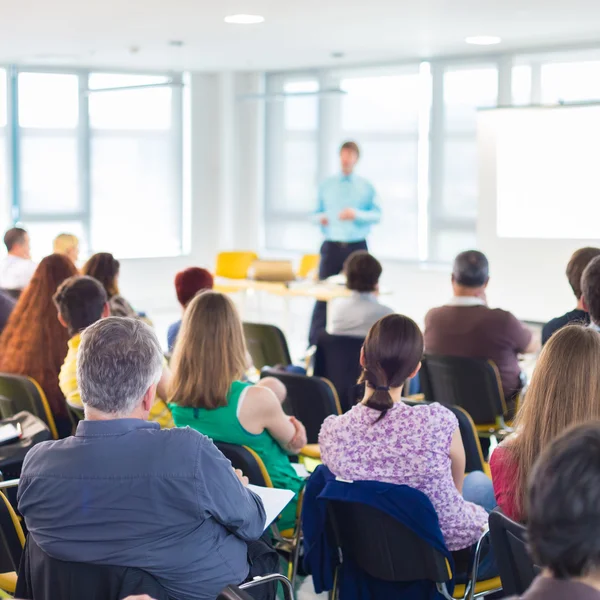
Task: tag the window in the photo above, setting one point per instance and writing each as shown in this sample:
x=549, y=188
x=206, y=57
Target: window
x=98, y=155
x=381, y=113
x=4, y=179
x=570, y=82
x=453, y=210
x=135, y=166
x=293, y=165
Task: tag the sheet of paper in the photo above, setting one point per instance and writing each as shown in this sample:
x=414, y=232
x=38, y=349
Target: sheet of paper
x=274, y=501
x=300, y=470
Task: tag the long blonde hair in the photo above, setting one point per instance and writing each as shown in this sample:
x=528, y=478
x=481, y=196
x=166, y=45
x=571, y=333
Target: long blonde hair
x=210, y=353
x=564, y=391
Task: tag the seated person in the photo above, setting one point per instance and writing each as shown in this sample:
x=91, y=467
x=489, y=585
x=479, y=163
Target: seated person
x=564, y=390
x=564, y=517
x=467, y=327
x=123, y=492
x=579, y=261
x=67, y=244
x=81, y=301
x=187, y=284
x=355, y=315
x=16, y=269
x=105, y=268
x=383, y=439
x=206, y=393
x=33, y=342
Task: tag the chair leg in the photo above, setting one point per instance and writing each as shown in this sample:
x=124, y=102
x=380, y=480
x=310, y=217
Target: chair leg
x=295, y=555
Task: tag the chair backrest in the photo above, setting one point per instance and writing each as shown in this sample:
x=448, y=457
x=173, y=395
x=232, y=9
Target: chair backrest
x=247, y=461
x=12, y=538
x=308, y=264
x=267, y=345
x=473, y=384
x=383, y=547
x=337, y=358
x=24, y=393
x=234, y=265
x=516, y=567
x=42, y=577
x=310, y=399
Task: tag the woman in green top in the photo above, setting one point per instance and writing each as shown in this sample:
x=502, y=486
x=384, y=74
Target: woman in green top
x=208, y=362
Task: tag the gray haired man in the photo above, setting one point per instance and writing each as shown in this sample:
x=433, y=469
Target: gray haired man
x=123, y=492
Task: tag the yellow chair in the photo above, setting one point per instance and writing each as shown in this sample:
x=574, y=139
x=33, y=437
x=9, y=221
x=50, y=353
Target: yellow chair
x=308, y=264
x=13, y=540
x=234, y=265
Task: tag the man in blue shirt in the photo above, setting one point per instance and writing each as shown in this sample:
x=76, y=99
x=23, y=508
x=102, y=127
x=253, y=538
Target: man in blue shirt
x=346, y=211
x=123, y=492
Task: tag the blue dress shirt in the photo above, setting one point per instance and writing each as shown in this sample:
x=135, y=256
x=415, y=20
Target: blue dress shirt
x=347, y=191
x=172, y=334
x=125, y=492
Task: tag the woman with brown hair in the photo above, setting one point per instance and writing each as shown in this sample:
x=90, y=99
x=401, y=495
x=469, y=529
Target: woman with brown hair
x=207, y=393
x=33, y=342
x=383, y=439
x=104, y=267
x=564, y=391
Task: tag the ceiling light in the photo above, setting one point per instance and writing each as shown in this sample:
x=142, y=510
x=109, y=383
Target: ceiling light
x=244, y=19
x=483, y=40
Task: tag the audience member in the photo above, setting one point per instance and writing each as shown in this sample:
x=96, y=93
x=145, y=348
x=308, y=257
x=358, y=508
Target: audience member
x=467, y=327
x=67, y=244
x=105, y=268
x=187, y=284
x=81, y=301
x=579, y=261
x=564, y=517
x=33, y=342
x=590, y=287
x=383, y=439
x=16, y=269
x=564, y=390
x=355, y=315
x=7, y=303
x=207, y=394
x=124, y=492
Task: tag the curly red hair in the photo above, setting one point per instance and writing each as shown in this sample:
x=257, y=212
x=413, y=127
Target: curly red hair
x=33, y=342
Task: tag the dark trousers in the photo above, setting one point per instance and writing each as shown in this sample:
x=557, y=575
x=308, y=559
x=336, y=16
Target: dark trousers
x=333, y=257
x=263, y=560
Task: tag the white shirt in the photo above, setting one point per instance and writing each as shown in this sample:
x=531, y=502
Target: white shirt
x=355, y=315
x=16, y=272
x=466, y=301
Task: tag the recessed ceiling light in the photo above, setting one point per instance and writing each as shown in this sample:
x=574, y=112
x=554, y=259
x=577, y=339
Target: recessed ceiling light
x=483, y=40
x=244, y=19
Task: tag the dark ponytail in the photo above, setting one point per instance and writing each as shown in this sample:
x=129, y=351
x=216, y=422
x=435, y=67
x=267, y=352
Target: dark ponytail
x=392, y=351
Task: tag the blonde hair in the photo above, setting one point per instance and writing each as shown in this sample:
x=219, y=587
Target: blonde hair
x=65, y=242
x=210, y=353
x=564, y=391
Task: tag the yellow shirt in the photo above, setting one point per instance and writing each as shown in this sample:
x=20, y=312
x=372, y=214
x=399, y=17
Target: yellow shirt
x=67, y=380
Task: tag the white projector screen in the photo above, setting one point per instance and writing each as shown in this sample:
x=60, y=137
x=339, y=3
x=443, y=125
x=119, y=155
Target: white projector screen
x=547, y=172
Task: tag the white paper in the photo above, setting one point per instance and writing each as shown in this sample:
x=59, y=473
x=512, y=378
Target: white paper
x=300, y=470
x=273, y=500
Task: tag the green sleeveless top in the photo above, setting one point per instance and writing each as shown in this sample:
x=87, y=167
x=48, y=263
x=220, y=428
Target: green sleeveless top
x=222, y=425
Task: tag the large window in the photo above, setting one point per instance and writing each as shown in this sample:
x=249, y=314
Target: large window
x=98, y=155
x=4, y=180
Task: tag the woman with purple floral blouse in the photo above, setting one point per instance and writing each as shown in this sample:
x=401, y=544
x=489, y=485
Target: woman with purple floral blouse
x=383, y=439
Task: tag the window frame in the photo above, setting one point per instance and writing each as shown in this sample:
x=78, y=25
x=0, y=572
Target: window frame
x=83, y=134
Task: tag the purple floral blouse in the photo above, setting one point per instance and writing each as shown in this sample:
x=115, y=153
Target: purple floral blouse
x=409, y=446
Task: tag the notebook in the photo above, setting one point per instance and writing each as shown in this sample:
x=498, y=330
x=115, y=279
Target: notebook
x=273, y=500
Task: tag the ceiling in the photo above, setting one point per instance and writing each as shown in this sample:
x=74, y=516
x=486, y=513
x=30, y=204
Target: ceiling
x=296, y=34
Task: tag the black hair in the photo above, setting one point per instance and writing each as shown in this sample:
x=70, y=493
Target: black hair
x=564, y=504
x=80, y=300
x=392, y=351
x=14, y=236
x=362, y=271
x=471, y=269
